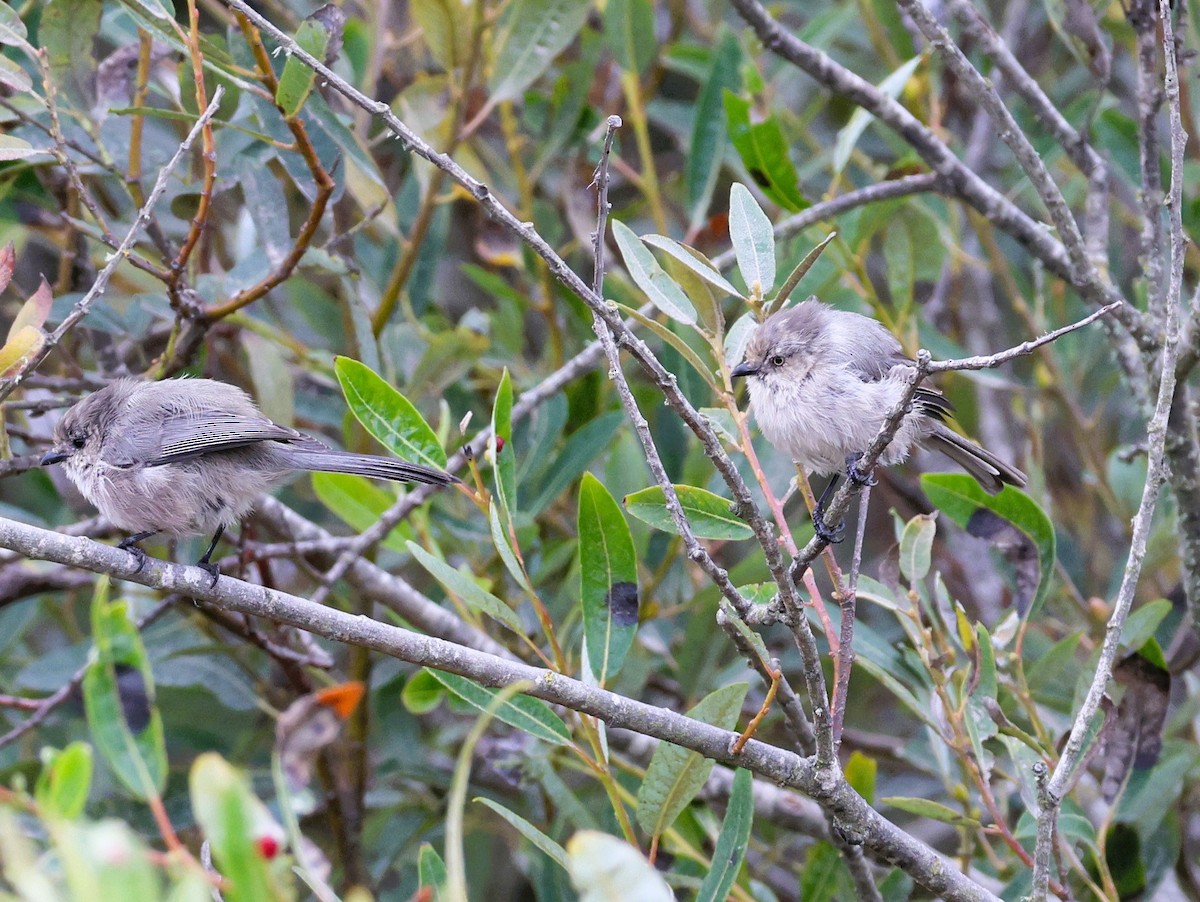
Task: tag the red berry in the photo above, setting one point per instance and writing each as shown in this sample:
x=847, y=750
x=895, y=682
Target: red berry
x=268, y=847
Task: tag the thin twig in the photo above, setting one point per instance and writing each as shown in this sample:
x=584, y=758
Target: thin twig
x=1067, y=769
x=83, y=307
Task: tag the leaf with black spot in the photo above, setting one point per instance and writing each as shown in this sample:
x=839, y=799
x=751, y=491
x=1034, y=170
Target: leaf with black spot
x=607, y=579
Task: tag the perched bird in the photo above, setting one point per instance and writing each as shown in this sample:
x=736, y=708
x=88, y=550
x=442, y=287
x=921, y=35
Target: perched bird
x=822, y=382
x=190, y=456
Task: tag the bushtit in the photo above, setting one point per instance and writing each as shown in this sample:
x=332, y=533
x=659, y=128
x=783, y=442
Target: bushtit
x=822, y=382
x=188, y=456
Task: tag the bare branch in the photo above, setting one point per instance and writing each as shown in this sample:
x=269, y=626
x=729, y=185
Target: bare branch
x=84, y=305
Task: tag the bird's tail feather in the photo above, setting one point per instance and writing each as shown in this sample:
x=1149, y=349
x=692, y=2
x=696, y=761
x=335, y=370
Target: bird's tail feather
x=989, y=471
x=330, y=461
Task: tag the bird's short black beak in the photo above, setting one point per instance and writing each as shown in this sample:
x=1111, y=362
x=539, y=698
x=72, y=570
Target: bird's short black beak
x=744, y=368
x=54, y=456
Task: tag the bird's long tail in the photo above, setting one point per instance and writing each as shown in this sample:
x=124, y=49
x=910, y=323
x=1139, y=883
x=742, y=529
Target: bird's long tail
x=326, y=460
x=989, y=470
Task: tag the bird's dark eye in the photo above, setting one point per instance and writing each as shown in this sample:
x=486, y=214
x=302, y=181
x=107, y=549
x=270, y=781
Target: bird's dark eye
x=77, y=439
x=777, y=360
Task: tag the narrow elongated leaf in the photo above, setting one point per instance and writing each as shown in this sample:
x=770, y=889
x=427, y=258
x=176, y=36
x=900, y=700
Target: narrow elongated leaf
x=916, y=544
x=933, y=810
x=66, y=31
x=709, y=514
x=16, y=149
x=505, y=467
x=296, y=82
x=848, y=137
x=118, y=697
x=753, y=240
x=234, y=822
x=531, y=34
x=387, y=414
x=661, y=290
x=962, y=500
x=709, y=132
x=447, y=29
x=608, y=589
x=629, y=31
x=468, y=591
x=730, y=850
x=582, y=447
x=686, y=351
x=676, y=774
x=13, y=76
x=695, y=261
x=553, y=850
x=12, y=29
x=359, y=502
x=156, y=9
x=431, y=872
x=530, y=715
x=19, y=349
x=764, y=151
x=66, y=777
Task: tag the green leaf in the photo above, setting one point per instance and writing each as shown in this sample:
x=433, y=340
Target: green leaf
x=12, y=29
x=66, y=777
x=629, y=32
x=528, y=714
x=296, y=82
x=676, y=774
x=447, y=29
x=1141, y=624
x=695, y=261
x=935, y=811
x=504, y=548
x=753, y=240
x=467, y=589
x=553, y=850
x=1052, y=678
x=706, y=151
x=155, y=9
x=388, y=415
x=118, y=698
x=730, y=850
x=431, y=872
x=422, y=693
x=13, y=76
x=608, y=584
x=710, y=515
x=531, y=34
x=234, y=820
x=986, y=686
x=582, y=447
x=505, y=466
x=960, y=497
x=662, y=291
x=66, y=31
x=764, y=151
x=358, y=503
x=824, y=876
x=861, y=773
x=686, y=351
x=848, y=137
x=916, y=545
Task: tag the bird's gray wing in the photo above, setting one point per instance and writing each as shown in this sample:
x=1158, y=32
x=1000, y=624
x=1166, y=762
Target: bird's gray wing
x=871, y=352
x=187, y=434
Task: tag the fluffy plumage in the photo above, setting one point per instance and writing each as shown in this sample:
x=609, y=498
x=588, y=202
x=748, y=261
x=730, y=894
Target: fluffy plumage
x=822, y=382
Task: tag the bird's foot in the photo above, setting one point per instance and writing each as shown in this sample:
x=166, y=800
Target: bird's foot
x=138, y=555
x=213, y=570
x=857, y=476
x=131, y=545
x=833, y=536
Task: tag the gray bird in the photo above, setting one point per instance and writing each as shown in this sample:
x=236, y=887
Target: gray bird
x=822, y=382
x=191, y=456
